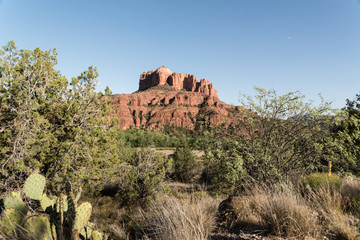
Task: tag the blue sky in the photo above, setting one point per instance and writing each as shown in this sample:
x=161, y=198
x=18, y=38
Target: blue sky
x=288, y=45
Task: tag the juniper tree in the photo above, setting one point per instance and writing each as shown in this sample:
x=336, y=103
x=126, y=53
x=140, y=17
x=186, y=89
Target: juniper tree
x=49, y=125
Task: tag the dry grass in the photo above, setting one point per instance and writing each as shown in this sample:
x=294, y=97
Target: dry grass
x=292, y=216
x=283, y=214
x=350, y=192
x=287, y=215
x=336, y=223
x=174, y=218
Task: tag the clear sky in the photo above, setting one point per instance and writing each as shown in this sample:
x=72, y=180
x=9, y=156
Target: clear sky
x=288, y=45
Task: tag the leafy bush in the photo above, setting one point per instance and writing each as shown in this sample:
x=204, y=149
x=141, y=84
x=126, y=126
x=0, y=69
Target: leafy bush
x=343, y=145
x=317, y=181
x=184, y=164
x=142, y=176
x=224, y=167
x=276, y=141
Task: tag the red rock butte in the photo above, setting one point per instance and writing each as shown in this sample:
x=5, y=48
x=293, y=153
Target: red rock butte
x=178, y=81
x=173, y=99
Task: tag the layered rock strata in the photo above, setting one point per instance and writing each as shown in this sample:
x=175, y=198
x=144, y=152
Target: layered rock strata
x=180, y=102
x=178, y=81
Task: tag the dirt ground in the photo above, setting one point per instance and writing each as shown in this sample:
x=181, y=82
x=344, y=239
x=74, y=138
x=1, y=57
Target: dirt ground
x=168, y=152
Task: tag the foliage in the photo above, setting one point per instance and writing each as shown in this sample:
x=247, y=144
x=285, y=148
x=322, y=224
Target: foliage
x=224, y=166
x=48, y=124
x=276, y=140
x=147, y=138
x=108, y=91
x=184, y=164
x=170, y=137
x=317, y=181
x=142, y=176
x=343, y=145
x=64, y=218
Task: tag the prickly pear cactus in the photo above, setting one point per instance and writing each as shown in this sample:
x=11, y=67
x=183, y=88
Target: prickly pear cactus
x=82, y=216
x=34, y=186
x=86, y=232
x=13, y=200
x=10, y=220
x=38, y=227
x=47, y=202
x=64, y=219
x=96, y=235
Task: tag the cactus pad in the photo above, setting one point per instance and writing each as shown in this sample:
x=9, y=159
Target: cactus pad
x=13, y=200
x=82, y=216
x=34, y=186
x=10, y=220
x=38, y=227
x=96, y=235
x=86, y=232
x=47, y=202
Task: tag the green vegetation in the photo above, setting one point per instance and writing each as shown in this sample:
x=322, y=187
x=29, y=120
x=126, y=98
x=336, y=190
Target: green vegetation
x=63, y=218
x=140, y=184
x=49, y=124
x=184, y=164
x=277, y=141
x=319, y=181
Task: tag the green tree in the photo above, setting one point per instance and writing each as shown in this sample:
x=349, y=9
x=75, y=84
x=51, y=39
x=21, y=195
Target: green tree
x=276, y=139
x=108, y=91
x=47, y=124
x=343, y=145
x=184, y=164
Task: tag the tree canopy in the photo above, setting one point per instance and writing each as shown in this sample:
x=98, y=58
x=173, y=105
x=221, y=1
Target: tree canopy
x=49, y=124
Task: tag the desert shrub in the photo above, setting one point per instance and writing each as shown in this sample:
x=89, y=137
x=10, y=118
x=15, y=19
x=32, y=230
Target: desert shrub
x=142, y=176
x=109, y=216
x=224, y=167
x=317, y=181
x=173, y=218
x=276, y=141
x=184, y=164
x=343, y=146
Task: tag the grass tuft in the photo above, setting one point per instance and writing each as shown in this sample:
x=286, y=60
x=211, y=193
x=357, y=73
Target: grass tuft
x=174, y=218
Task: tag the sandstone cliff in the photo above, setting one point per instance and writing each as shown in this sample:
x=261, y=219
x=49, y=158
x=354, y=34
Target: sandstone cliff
x=178, y=81
x=175, y=99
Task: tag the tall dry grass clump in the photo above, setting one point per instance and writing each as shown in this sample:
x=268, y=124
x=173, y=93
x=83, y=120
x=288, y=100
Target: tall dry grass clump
x=284, y=214
x=331, y=205
x=350, y=192
x=176, y=218
x=287, y=215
